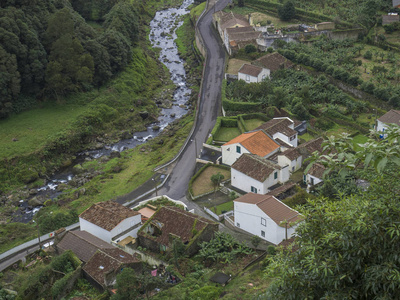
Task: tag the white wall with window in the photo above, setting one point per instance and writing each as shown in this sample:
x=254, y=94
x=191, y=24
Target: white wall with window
x=248, y=184
x=253, y=220
x=231, y=153
x=294, y=165
x=254, y=79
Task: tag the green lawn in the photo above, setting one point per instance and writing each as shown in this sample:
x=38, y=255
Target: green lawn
x=225, y=134
x=253, y=123
x=306, y=137
x=227, y=206
x=32, y=128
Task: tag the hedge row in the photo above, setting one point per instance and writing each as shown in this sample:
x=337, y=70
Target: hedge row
x=229, y=122
x=244, y=107
x=242, y=124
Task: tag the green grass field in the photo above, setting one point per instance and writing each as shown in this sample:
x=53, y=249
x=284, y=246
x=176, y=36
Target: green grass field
x=359, y=139
x=225, y=134
x=32, y=128
x=227, y=206
x=253, y=123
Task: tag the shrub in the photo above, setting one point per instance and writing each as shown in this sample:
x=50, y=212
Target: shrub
x=368, y=55
x=250, y=48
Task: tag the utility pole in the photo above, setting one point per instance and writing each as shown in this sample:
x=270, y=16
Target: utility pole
x=155, y=185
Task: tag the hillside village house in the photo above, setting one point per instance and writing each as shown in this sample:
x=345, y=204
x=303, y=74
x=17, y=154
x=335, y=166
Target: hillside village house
x=292, y=158
x=273, y=62
x=391, y=117
x=255, y=142
x=266, y=217
x=250, y=73
x=251, y=173
x=103, y=267
x=223, y=20
x=281, y=130
x=110, y=221
x=170, y=223
x=238, y=38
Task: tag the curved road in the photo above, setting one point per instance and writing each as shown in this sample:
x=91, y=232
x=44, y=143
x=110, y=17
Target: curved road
x=178, y=182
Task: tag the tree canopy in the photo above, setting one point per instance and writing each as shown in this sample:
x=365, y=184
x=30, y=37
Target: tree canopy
x=348, y=248
x=48, y=48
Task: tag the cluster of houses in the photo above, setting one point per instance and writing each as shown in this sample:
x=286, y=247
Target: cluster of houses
x=237, y=31
x=108, y=231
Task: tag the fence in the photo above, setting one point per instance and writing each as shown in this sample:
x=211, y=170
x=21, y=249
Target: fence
x=219, y=218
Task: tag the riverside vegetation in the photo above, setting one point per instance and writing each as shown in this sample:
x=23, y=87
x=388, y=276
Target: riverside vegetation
x=46, y=138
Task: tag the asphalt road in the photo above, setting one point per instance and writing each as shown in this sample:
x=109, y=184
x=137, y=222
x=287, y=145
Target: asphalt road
x=209, y=108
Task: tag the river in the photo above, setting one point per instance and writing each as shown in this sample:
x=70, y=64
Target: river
x=162, y=35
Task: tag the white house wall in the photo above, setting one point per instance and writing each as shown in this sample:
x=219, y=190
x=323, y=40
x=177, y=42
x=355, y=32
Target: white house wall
x=244, y=182
x=247, y=78
x=229, y=157
x=248, y=217
x=286, y=139
x=101, y=233
x=125, y=225
x=284, y=174
x=316, y=180
x=294, y=165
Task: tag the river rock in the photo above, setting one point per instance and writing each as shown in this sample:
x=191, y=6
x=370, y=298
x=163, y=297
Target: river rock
x=156, y=128
x=78, y=169
x=33, y=192
x=126, y=135
x=173, y=115
x=115, y=154
x=35, y=201
x=144, y=114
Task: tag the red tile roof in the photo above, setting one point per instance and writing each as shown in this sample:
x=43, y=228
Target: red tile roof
x=250, y=70
x=391, y=117
x=255, y=166
x=82, y=243
x=273, y=61
x=292, y=153
x=317, y=170
x=256, y=142
x=280, y=125
x=106, y=261
x=174, y=220
x=107, y=214
x=272, y=207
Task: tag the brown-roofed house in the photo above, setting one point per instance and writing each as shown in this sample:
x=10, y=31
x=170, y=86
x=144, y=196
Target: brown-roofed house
x=388, y=19
x=273, y=62
x=252, y=173
x=223, y=20
x=266, y=216
x=82, y=243
x=170, y=223
x=292, y=158
x=314, y=175
x=250, y=73
x=103, y=267
x=110, y=221
x=308, y=148
x=255, y=142
x=391, y=117
x=282, y=128
x=241, y=37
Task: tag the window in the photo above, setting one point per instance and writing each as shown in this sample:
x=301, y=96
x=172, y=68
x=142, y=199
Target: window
x=263, y=222
x=292, y=169
x=238, y=149
x=229, y=149
x=253, y=189
x=304, y=178
x=293, y=137
x=247, y=77
x=275, y=175
x=238, y=225
x=312, y=181
x=262, y=233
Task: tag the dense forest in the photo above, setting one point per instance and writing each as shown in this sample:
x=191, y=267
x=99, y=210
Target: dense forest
x=48, y=49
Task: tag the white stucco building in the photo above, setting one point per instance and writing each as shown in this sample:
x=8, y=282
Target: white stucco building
x=292, y=158
x=314, y=175
x=266, y=217
x=281, y=129
x=110, y=221
x=255, y=142
x=391, y=117
x=251, y=173
x=252, y=74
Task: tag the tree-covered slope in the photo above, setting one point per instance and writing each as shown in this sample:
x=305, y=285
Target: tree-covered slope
x=48, y=50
